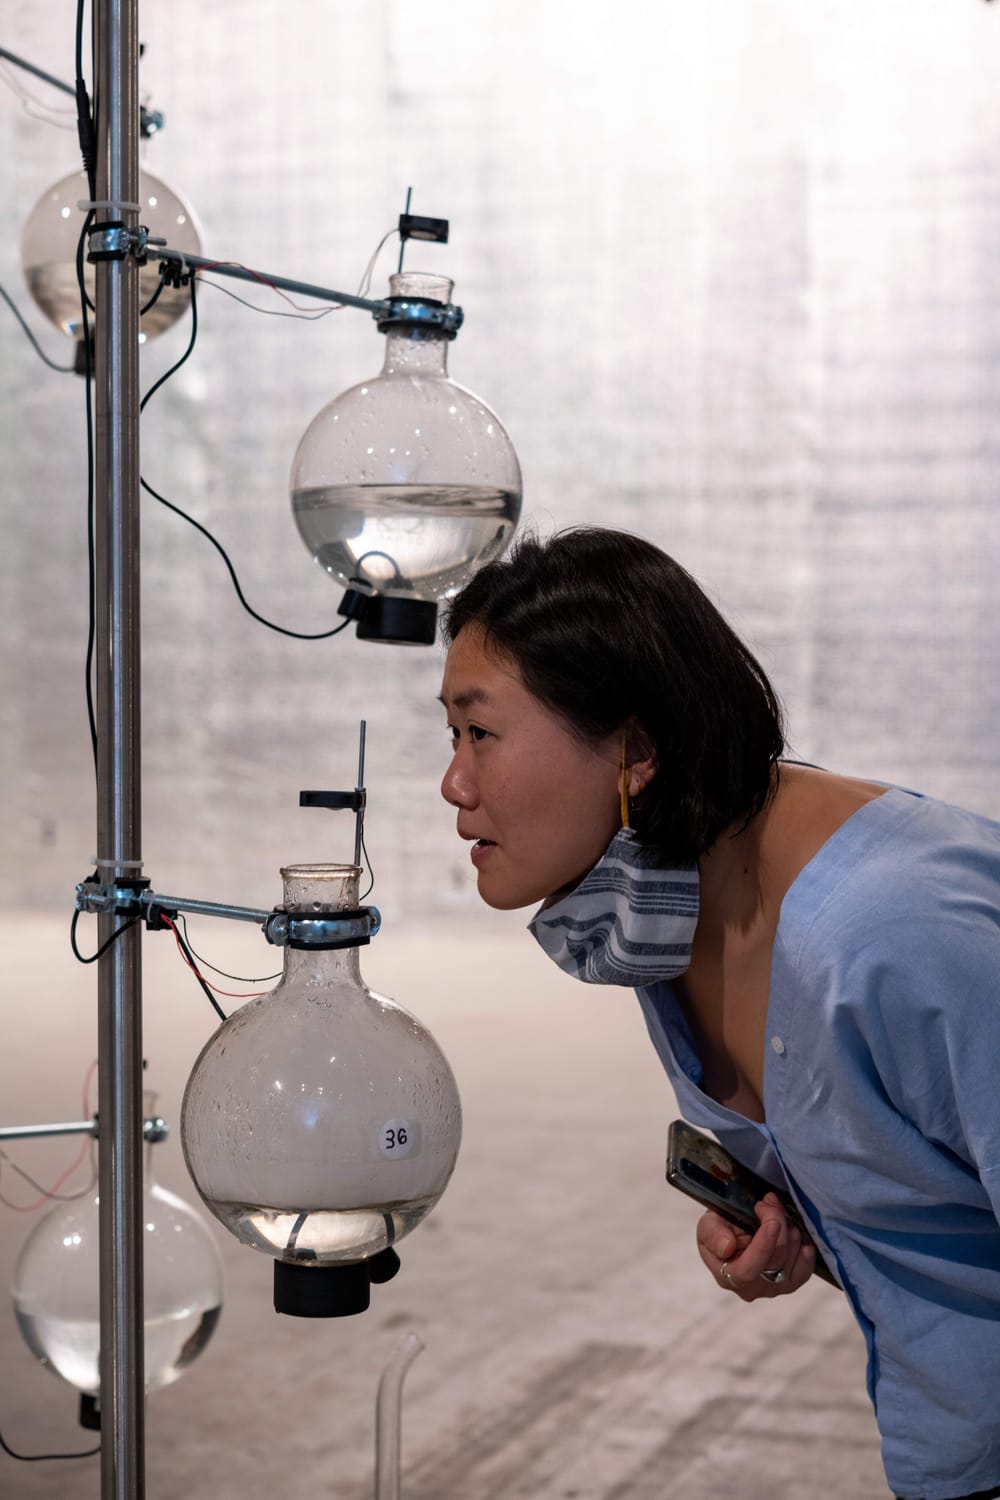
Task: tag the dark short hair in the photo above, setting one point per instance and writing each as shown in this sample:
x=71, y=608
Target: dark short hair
x=607, y=631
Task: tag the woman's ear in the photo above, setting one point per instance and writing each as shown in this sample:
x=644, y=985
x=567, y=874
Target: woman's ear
x=640, y=774
x=640, y=760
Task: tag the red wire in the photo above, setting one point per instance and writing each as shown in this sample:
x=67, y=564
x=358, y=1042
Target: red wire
x=229, y=994
x=27, y=1208
x=330, y=306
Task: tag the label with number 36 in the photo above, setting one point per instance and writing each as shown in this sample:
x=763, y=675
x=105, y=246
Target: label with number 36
x=398, y=1139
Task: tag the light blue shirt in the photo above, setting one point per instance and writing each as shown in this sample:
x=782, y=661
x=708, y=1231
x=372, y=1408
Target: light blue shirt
x=882, y=1100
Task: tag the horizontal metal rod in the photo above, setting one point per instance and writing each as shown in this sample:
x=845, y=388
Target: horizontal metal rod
x=204, y=908
x=27, y=1132
x=263, y=278
x=153, y=1129
x=28, y=67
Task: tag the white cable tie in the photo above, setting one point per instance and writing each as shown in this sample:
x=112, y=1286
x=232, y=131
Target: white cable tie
x=87, y=204
x=114, y=864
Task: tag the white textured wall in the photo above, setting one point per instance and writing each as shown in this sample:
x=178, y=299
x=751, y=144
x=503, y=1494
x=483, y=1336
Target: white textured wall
x=730, y=276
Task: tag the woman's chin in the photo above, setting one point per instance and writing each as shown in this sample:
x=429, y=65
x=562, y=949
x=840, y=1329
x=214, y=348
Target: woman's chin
x=503, y=895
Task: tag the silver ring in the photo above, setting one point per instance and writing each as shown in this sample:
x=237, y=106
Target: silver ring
x=725, y=1277
x=774, y=1277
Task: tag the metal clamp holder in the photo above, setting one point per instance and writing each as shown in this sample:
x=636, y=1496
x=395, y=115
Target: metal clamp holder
x=113, y=241
x=320, y=930
x=132, y=897
x=280, y=927
x=420, y=312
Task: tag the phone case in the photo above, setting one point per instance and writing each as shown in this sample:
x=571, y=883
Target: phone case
x=705, y=1171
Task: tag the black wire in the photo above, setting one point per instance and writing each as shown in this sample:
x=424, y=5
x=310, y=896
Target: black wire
x=84, y=114
x=154, y=298
x=371, y=872
x=298, y=635
x=91, y=564
x=184, y=357
x=37, y=1458
x=85, y=132
x=104, y=946
x=63, y=369
x=190, y=958
x=239, y=978
x=296, y=1229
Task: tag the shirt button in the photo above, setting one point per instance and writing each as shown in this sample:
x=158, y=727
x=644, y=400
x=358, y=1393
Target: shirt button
x=777, y=1045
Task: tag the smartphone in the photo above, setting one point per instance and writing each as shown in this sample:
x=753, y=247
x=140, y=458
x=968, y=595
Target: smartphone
x=704, y=1170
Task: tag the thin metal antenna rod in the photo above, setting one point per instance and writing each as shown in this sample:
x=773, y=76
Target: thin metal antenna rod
x=359, y=819
x=116, y=530
x=402, y=242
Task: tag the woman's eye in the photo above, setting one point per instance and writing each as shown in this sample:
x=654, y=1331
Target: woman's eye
x=473, y=730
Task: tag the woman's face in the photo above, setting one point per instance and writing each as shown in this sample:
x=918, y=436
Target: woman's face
x=539, y=805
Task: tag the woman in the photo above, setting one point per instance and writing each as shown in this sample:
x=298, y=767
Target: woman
x=817, y=957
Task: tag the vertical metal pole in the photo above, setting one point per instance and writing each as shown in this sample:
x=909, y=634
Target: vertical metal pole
x=116, y=375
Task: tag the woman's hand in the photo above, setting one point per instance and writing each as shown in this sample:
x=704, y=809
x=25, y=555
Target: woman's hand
x=769, y=1263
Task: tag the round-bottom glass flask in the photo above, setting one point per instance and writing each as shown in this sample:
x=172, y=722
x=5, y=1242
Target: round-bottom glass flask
x=321, y=1122
x=407, y=483
x=56, y=1292
x=49, y=245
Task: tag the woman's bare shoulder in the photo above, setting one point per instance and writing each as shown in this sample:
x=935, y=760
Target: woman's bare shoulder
x=807, y=809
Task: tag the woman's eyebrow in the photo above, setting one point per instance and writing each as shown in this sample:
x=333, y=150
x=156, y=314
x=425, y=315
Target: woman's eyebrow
x=470, y=696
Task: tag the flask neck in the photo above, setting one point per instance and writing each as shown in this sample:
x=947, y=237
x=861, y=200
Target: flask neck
x=310, y=891
x=415, y=351
x=322, y=966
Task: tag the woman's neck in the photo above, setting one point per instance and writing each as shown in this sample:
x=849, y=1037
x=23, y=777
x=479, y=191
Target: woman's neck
x=746, y=874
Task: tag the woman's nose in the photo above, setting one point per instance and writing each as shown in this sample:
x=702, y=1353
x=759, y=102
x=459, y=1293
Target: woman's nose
x=457, y=786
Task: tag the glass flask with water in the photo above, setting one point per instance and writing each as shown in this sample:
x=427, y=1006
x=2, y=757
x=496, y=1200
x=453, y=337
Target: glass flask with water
x=49, y=244
x=56, y=1292
x=407, y=483
x=321, y=1121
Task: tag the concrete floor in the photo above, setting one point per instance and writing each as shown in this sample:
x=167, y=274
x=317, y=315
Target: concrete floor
x=575, y=1349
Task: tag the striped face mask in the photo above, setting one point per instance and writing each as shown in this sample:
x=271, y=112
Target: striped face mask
x=630, y=921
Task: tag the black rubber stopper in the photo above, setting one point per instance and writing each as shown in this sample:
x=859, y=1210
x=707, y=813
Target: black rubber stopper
x=405, y=622
x=305, y=1291
x=383, y=1266
x=90, y=1412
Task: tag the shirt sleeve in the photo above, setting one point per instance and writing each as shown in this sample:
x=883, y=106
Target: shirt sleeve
x=927, y=984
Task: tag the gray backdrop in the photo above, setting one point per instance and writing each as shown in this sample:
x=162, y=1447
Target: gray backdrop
x=730, y=280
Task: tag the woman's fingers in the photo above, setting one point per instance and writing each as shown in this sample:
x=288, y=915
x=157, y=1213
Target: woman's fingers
x=767, y=1264
x=775, y=1228
x=717, y=1240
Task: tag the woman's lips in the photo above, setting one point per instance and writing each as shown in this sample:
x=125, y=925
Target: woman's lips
x=480, y=851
